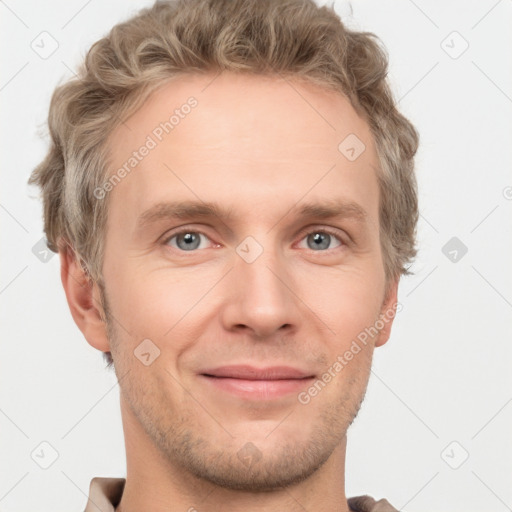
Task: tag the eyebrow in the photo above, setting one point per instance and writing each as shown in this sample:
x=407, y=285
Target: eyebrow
x=186, y=210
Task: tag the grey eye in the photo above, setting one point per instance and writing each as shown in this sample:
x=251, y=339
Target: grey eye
x=187, y=241
x=319, y=240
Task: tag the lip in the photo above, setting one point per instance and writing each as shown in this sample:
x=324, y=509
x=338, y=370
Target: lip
x=249, y=372
x=252, y=383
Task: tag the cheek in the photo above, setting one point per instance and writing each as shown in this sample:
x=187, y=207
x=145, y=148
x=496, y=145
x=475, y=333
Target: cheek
x=164, y=303
x=347, y=300
x=159, y=305
x=350, y=308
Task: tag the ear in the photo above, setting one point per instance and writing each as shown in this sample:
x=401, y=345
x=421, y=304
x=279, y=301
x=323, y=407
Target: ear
x=388, y=311
x=84, y=299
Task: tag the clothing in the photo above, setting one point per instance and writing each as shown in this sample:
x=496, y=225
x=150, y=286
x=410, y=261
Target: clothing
x=105, y=494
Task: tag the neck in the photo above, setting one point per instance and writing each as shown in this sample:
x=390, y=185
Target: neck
x=154, y=483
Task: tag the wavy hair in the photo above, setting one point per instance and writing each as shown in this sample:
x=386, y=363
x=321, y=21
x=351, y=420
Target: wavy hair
x=292, y=38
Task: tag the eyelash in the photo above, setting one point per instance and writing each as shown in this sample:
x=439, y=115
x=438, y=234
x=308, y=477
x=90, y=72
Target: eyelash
x=327, y=231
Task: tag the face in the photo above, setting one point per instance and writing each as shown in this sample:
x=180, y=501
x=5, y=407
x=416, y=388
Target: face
x=243, y=236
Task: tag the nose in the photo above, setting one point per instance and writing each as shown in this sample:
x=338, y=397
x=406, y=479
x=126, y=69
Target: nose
x=261, y=298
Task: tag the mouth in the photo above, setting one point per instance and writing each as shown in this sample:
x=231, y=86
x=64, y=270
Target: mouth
x=257, y=384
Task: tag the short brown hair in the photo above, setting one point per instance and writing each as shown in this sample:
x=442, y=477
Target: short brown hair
x=293, y=38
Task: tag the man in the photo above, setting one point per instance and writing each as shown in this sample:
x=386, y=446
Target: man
x=231, y=191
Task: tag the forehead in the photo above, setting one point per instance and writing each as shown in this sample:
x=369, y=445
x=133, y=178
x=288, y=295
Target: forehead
x=208, y=136
x=244, y=106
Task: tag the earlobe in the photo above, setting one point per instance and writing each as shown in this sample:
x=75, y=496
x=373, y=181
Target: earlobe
x=84, y=299
x=388, y=313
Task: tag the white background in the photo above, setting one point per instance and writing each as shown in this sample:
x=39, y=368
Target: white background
x=444, y=376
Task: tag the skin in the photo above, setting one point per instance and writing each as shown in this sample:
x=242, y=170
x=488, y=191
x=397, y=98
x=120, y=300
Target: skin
x=259, y=146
